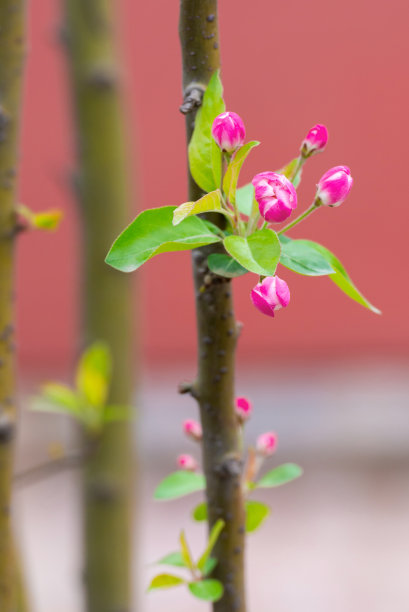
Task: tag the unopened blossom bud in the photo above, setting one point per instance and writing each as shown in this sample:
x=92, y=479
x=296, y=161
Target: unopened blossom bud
x=228, y=131
x=267, y=443
x=334, y=186
x=243, y=409
x=276, y=196
x=193, y=429
x=270, y=295
x=315, y=141
x=187, y=462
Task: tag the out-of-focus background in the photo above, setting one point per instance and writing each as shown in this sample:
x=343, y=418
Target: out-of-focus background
x=329, y=376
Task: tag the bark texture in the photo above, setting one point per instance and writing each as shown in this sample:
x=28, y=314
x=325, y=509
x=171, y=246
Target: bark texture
x=217, y=334
x=12, y=54
x=102, y=189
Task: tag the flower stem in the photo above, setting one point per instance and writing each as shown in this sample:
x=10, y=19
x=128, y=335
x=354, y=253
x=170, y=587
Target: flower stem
x=296, y=221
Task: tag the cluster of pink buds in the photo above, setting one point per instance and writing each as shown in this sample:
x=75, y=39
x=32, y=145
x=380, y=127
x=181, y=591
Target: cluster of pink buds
x=187, y=462
x=243, y=409
x=334, y=186
x=193, y=429
x=270, y=295
x=228, y=131
x=266, y=443
x=276, y=196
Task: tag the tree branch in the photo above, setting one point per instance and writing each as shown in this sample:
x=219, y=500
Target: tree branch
x=217, y=335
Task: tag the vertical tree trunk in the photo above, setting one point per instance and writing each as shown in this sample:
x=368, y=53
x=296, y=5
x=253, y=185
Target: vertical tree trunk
x=12, y=53
x=217, y=335
x=103, y=194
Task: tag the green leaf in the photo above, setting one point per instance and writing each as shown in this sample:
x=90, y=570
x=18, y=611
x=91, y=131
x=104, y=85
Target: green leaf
x=57, y=398
x=165, y=581
x=223, y=265
x=233, y=170
x=256, y=513
x=152, y=233
x=117, y=413
x=288, y=171
x=280, y=475
x=245, y=198
x=201, y=151
x=213, y=537
x=200, y=512
x=175, y=559
x=211, y=202
x=208, y=589
x=258, y=253
x=94, y=374
x=178, y=484
x=209, y=566
x=216, y=163
x=301, y=256
x=339, y=276
x=184, y=549
x=343, y=281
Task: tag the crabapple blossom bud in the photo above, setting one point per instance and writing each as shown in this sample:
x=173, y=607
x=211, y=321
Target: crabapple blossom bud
x=187, y=462
x=267, y=443
x=193, y=429
x=270, y=295
x=276, y=196
x=228, y=131
x=315, y=141
x=243, y=409
x=334, y=186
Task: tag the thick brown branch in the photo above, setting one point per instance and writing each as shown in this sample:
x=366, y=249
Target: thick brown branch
x=217, y=336
x=12, y=54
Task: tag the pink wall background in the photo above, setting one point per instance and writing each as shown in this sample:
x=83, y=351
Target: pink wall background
x=286, y=66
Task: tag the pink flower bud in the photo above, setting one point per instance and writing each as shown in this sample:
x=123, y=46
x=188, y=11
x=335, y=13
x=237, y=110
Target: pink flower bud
x=334, y=186
x=187, y=462
x=267, y=443
x=193, y=429
x=243, y=408
x=228, y=131
x=276, y=196
x=315, y=140
x=270, y=295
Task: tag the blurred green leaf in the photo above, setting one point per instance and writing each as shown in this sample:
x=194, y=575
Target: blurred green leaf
x=178, y=484
x=200, y=512
x=207, y=589
x=226, y=266
x=213, y=537
x=256, y=513
x=233, y=170
x=94, y=374
x=209, y=566
x=280, y=475
x=258, y=253
x=211, y=202
x=184, y=549
x=202, y=160
x=165, y=581
x=57, y=397
x=175, y=559
x=152, y=233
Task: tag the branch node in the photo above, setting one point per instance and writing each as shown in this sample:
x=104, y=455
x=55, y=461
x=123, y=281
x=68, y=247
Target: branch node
x=192, y=98
x=189, y=388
